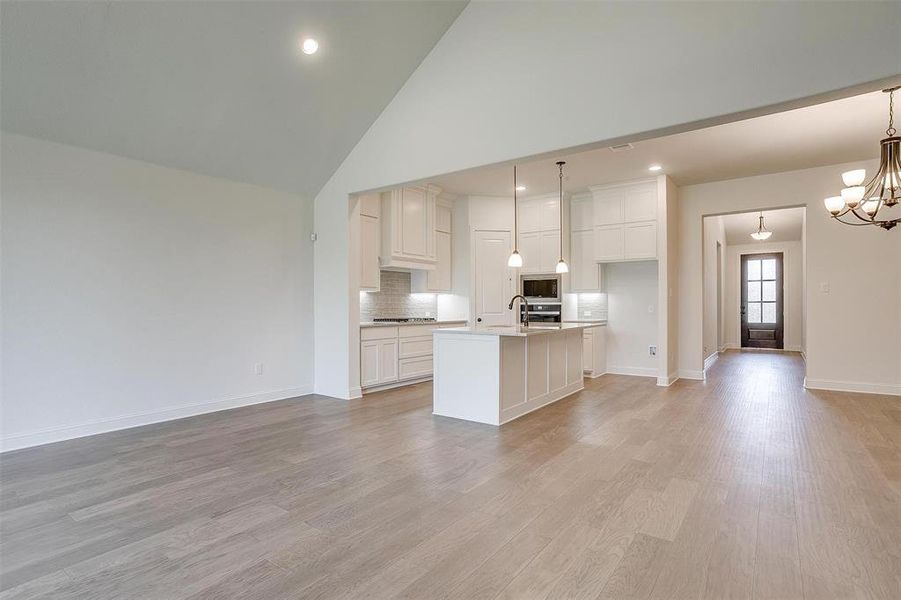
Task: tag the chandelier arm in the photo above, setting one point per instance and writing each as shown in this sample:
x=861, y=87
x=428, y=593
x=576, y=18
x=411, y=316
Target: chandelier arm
x=863, y=224
x=867, y=219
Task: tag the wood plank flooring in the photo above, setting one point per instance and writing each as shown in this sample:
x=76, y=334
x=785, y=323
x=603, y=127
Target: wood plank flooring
x=746, y=486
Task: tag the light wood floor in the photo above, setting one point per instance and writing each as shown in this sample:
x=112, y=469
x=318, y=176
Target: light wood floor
x=745, y=486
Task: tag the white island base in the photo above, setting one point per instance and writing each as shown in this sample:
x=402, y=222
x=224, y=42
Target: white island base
x=495, y=374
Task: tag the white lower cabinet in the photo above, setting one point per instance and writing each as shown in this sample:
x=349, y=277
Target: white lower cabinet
x=594, y=351
x=395, y=354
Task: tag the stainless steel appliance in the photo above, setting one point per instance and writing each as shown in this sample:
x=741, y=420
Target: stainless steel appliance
x=542, y=288
x=545, y=297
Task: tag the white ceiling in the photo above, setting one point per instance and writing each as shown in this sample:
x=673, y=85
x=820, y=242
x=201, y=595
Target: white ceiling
x=219, y=88
x=841, y=131
x=786, y=225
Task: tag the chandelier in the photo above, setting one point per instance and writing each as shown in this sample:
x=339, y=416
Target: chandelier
x=859, y=203
x=762, y=232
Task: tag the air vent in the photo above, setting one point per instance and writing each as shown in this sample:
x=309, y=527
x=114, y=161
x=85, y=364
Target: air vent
x=621, y=147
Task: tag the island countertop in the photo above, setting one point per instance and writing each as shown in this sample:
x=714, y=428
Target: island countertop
x=516, y=330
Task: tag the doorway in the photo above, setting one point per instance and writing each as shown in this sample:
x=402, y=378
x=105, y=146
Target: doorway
x=762, y=316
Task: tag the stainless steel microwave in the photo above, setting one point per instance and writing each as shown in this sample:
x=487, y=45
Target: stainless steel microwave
x=546, y=288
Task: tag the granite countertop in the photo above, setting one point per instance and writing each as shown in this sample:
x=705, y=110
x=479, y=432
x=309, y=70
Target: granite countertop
x=364, y=324
x=516, y=330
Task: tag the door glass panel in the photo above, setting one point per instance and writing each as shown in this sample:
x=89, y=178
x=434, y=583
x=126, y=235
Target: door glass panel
x=769, y=312
x=753, y=291
x=769, y=291
x=753, y=312
x=753, y=270
x=769, y=268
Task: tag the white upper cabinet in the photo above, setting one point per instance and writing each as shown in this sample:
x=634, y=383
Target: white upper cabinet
x=625, y=219
x=640, y=202
x=408, y=227
x=539, y=234
x=529, y=219
x=608, y=206
x=370, y=241
x=585, y=272
x=548, y=250
x=549, y=214
x=438, y=280
x=581, y=210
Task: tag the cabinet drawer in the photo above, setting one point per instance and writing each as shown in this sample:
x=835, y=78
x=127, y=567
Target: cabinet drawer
x=409, y=331
x=378, y=333
x=411, y=368
x=418, y=346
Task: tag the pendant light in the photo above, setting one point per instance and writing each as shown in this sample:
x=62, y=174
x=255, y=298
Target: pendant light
x=562, y=267
x=864, y=201
x=761, y=234
x=515, y=259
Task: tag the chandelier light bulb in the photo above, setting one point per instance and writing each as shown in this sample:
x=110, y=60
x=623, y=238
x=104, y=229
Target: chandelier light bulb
x=515, y=260
x=834, y=204
x=855, y=177
x=871, y=206
x=853, y=195
x=562, y=267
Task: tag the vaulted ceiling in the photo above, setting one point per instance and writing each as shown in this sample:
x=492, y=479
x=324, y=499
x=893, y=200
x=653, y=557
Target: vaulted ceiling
x=218, y=88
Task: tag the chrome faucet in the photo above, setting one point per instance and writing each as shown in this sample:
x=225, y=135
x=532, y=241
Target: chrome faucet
x=525, y=313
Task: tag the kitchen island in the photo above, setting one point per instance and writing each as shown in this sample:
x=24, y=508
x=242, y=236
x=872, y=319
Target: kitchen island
x=495, y=374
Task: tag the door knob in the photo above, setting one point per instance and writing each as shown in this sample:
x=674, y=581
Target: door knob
x=479, y=320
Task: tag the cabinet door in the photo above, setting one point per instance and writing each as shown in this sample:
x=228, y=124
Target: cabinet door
x=608, y=206
x=548, y=251
x=529, y=248
x=439, y=280
x=640, y=202
x=549, y=214
x=414, y=221
x=586, y=351
x=608, y=241
x=640, y=240
x=443, y=218
x=369, y=253
x=369, y=363
x=584, y=270
x=581, y=213
x=387, y=361
x=529, y=218
x=371, y=205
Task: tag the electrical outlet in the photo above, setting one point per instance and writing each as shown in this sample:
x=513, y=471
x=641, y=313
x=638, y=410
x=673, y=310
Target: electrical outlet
x=428, y=314
x=652, y=350
x=650, y=308
x=258, y=369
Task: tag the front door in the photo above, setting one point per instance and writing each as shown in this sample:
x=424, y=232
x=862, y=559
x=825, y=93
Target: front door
x=761, y=301
x=494, y=279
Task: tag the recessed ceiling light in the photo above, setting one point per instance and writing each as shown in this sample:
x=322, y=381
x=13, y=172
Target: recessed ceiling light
x=309, y=46
x=520, y=188
x=654, y=168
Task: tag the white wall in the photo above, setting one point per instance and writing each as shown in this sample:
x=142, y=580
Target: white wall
x=632, y=322
x=792, y=286
x=848, y=346
x=714, y=233
x=134, y=293
x=468, y=104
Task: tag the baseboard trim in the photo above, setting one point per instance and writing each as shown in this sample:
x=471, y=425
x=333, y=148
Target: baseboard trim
x=708, y=362
x=885, y=389
x=691, y=374
x=668, y=381
x=634, y=371
x=396, y=384
x=69, y=432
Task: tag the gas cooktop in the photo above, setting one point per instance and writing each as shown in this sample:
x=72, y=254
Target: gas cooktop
x=404, y=320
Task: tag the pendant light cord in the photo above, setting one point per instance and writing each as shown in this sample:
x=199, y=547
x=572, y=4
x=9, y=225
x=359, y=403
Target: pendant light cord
x=891, y=114
x=515, y=213
x=560, y=165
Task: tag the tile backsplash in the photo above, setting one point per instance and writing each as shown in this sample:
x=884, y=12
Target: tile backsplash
x=395, y=299
x=596, y=303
